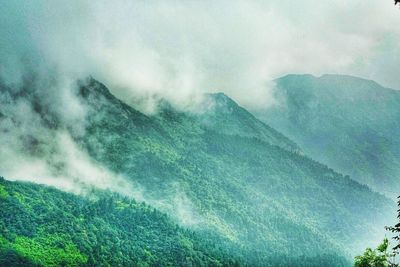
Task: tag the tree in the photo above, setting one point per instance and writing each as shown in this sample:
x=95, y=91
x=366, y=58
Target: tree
x=396, y=231
x=374, y=258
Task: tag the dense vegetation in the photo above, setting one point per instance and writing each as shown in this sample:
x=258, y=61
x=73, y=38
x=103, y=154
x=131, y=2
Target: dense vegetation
x=42, y=226
x=246, y=192
x=253, y=190
x=349, y=123
x=385, y=255
x=395, y=229
x=374, y=257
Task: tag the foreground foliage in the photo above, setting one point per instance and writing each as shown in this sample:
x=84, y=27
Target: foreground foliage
x=380, y=257
x=374, y=258
x=396, y=231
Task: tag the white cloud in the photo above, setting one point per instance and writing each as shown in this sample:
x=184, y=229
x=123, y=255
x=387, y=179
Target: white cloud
x=33, y=150
x=177, y=50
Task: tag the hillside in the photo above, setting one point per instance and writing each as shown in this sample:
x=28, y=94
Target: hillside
x=42, y=226
x=225, y=116
x=231, y=179
x=246, y=188
x=346, y=122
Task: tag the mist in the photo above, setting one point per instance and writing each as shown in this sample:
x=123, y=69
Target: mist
x=145, y=51
x=37, y=142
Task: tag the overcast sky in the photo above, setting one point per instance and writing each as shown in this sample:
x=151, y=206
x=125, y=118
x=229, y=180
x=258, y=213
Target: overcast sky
x=178, y=49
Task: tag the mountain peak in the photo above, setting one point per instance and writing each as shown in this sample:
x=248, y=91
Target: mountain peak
x=296, y=76
x=345, y=122
x=336, y=80
x=228, y=117
x=90, y=85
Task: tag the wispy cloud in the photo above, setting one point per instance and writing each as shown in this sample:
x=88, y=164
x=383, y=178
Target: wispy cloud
x=178, y=50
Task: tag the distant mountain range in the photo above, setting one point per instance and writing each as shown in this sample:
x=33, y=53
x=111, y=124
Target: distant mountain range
x=249, y=194
x=348, y=123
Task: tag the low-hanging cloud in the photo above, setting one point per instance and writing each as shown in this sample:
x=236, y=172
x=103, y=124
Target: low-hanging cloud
x=37, y=144
x=145, y=50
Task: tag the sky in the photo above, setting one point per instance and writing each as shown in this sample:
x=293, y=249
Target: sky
x=145, y=50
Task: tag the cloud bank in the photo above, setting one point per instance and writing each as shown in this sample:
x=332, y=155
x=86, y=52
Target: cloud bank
x=180, y=49
x=37, y=142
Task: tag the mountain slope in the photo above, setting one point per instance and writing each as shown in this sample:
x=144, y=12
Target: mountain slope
x=225, y=116
x=42, y=226
x=349, y=123
x=254, y=192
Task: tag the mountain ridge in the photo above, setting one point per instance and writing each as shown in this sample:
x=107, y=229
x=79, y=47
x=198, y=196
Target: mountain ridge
x=186, y=157
x=346, y=122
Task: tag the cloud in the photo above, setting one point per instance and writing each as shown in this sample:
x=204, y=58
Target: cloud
x=67, y=167
x=177, y=50
x=37, y=134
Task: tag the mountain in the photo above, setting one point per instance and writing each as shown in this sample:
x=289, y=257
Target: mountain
x=225, y=116
x=348, y=123
x=232, y=180
x=249, y=189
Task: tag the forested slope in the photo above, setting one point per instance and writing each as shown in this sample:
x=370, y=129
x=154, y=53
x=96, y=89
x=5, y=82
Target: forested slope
x=42, y=226
x=250, y=189
x=246, y=192
x=349, y=123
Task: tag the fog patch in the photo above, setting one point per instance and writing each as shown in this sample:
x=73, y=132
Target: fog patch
x=38, y=124
x=177, y=204
x=177, y=51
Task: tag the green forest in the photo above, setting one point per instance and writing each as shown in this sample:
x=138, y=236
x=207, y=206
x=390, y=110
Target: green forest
x=42, y=226
x=218, y=188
